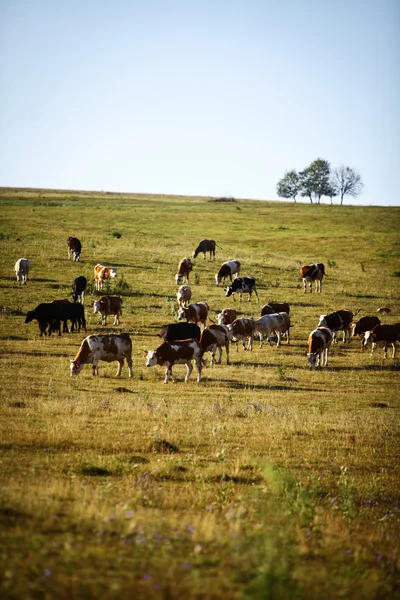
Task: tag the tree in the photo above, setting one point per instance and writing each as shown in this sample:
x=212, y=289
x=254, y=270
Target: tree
x=348, y=182
x=289, y=185
x=315, y=180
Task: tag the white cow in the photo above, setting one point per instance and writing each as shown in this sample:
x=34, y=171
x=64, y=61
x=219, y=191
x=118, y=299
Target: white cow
x=22, y=270
x=278, y=323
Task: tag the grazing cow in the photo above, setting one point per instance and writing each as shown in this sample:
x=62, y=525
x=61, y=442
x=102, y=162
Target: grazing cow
x=242, y=285
x=108, y=348
x=319, y=342
x=108, y=305
x=310, y=273
x=183, y=295
x=338, y=321
x=180, y=331
x=277, y=322
x=78, y=289
x=205, y=246
x=227, y=269
x=194, y=313
x=383, y=335
x=103, y=274
x=176, y=353
x=383, y=310
x=215, y=337
x=22, y=270
x=53, y=313
x=184, y=268
x=74, y=248
x=226, y=316
x=72, y=312
x=363, y=325
x=243, y=329
x=275, y=307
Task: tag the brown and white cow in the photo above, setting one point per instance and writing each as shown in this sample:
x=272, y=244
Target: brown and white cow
x=183, y=295
x=226, y=316
x=319, y=342
x=194, y=313
x=243, y=329
x=176, y=353
x=74, y=248
x=184, y=268
x=383, y=335
x=108, y=305
x=310, y=273
x=275, y=307
x=108, y=348
x=213, y=338
x=364, y=324
x=103, y=275
x=383, y=310
x=205, y=246
x=278, y=323
x=22, y=270
x=227, y=269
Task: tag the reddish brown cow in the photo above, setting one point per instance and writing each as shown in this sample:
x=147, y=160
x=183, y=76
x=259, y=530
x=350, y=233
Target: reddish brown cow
x=184, y=268
x=226, y=316
x=319, y=342
x=310, y=273
x=383, y=335
x=194, y=313
x=275, y=307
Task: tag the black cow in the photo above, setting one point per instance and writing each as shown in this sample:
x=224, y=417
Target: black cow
x=74, y=248
x=242, y=285
x=180, y=331
x=338, y=321
x=50, y=315
x=78, y=288
x=205, y=246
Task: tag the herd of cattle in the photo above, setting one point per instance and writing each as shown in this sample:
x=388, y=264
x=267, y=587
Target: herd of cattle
x=185, y=342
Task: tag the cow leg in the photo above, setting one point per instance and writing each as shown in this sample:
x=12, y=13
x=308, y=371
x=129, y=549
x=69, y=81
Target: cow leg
x=189, y=369
x=168, y=374
x=198, y=365
x=129, y=363
x=116, y=320
x=95, y=370
x=220, y=355
x=256, y=293
x=278, y=343
x=227, y=352
x=394, y=349
x=104, y=319
x=250, y=344
x=373, y=348
x=120, y=365
x=260, y=335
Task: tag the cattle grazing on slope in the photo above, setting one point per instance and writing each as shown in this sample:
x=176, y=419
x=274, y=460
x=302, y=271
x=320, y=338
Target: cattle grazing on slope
x=227, y=269
x=213, y=338
x=22, y=270
x=108, y=305
x=107, y=348
x=310, y=273
x=184, y=268
x=183, y=295
x=241, y=330
x=364, y=324
x=383, y=335
x=226, y=316
x=275, y=307
x=278, y=323
x=338, y=321
x=194, y=313
x=78, y=289
x=242, y=285
x=180, y=331
x=169, y=354
x=74, y=248
x=205, y=246
x=319, y=342
x=103, y=275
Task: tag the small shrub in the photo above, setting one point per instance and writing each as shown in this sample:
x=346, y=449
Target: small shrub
x=122, y=286
x=396, y=273
x=332, y=264
x=116, y=234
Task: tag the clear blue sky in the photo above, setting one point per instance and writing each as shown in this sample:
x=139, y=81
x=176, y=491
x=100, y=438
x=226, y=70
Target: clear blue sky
x=198, y=97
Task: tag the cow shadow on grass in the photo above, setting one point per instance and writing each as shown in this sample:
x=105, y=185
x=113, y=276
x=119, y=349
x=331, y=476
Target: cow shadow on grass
x=238, y=385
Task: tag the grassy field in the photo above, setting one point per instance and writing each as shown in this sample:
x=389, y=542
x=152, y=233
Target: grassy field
x=265, y=480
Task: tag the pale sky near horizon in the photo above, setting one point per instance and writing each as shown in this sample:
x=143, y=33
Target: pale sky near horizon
x=209, y=98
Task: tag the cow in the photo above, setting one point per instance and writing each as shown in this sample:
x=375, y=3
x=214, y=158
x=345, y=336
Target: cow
x=78, y=288
x=73, y=312
x=383, y=335
x=215, y=337
x=108, y=348
x=184, y=268
x=310, y=273
x=277, y=322
x=242, y=329
x=194, y=313
x=22, y=270
x=275, y=307
x=319, y=342
x=226, y=316
x=176, y=353
x=108, y=305
x=103, y=274
x=227, y=269
x=205, y=246
x=183, y=295
x=180, y=331
x=363, y=325
x=383, y=310
x=338, y=321
x=53, y=313
x=74, y=248
x=242, y=285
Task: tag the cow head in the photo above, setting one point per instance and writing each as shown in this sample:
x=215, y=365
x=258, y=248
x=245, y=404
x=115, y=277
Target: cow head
x=368, y=338
x=312, y=359
x=182, y=314
x=322, y=321
x=113, y=273
x=228, y=291
x=30, y=315
x=75, y=367
x=151, y=358
x=96, y=306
